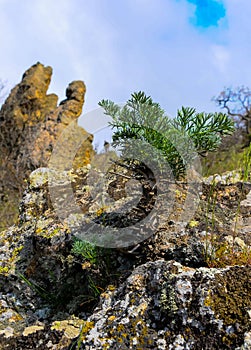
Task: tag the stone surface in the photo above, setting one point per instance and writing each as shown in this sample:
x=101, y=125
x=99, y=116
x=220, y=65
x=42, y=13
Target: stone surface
x=31, y=122
x=156, y=295
x=164, y=305
x=42, y=282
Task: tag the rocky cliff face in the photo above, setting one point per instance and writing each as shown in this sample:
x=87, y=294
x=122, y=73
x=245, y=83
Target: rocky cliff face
x=30, y=123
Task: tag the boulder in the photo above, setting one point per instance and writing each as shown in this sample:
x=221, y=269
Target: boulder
x=164, y=305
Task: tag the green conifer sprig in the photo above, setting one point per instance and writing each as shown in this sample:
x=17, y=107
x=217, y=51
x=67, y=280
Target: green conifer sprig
x=142, y=119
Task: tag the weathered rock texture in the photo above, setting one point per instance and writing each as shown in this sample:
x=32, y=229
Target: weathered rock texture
x=30, y=125
x=164, y=305
x=149, y=299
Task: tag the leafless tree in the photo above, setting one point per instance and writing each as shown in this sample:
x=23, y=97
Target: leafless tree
x=237, y=103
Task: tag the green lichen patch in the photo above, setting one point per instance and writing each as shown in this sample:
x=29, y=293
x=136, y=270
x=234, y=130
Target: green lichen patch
x=230, y=297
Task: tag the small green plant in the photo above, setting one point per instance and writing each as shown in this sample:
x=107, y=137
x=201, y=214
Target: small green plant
x=86, y=249
x=79, y=340
x=144, y=120
x=43, y=293
x=100, y=258
x=96, y=291
x=83, y=330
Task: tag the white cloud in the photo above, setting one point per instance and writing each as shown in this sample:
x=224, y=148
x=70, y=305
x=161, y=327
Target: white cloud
x=221, y=58
x=120, y=47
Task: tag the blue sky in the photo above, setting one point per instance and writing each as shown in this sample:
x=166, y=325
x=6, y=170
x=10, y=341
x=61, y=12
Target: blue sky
x=208, y=12
x=181, y=52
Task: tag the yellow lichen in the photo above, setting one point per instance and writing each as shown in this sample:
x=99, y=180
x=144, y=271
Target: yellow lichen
x=111, y=287
x=10, y=263
x=120, y=328
x=193, y=223
x=111, y=318
x=4, y=270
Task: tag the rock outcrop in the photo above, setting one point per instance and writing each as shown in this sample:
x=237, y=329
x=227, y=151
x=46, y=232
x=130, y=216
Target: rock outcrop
x=160, y=295
x=30, y=125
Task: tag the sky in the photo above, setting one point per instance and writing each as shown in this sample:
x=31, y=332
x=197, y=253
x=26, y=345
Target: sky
x=181, y=52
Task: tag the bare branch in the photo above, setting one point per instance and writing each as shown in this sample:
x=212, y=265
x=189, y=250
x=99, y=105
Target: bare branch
x=237, y=103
